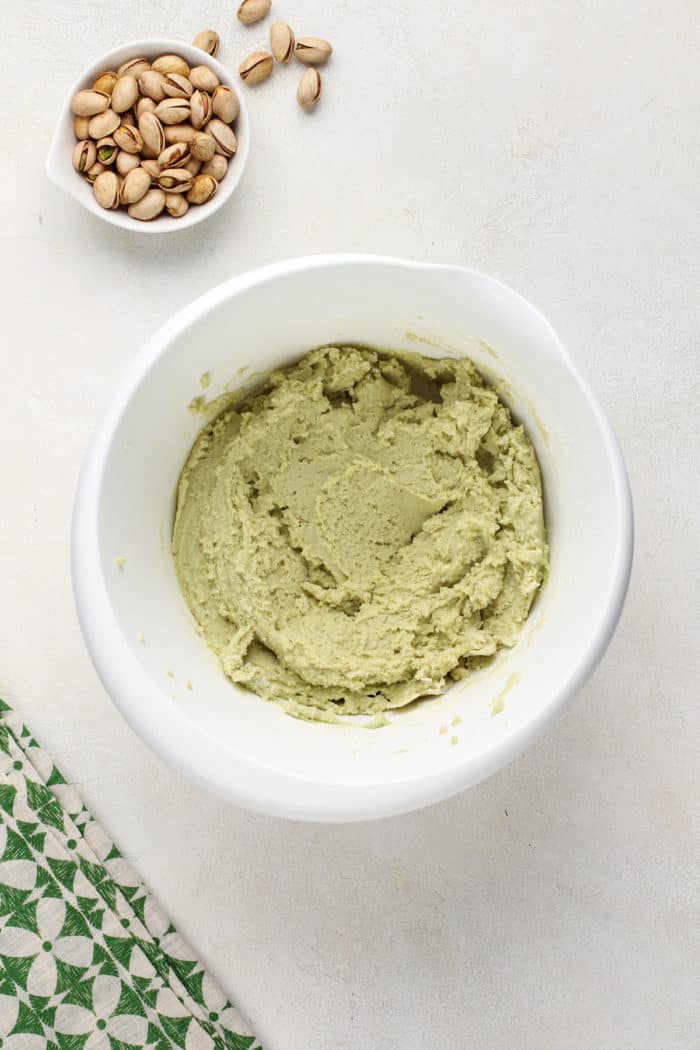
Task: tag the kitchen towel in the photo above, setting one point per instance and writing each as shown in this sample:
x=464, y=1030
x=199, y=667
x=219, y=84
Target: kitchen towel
x=88, y=960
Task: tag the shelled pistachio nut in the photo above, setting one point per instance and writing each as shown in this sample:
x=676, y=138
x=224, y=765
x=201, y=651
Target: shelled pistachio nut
x=281, y=41
x=151, y=85
x=103, y=124
x=203, y=189
x=175, y=180
x=251, y=11
x=124, y=94
x=207, y=40
x=203, y=78
x=88, y=103
x=126, y=162
x=134, y=67
x=225, y=104
x=128, y=138
x=176, y=86
x=309, y=89
x=256, y=67
x=136, y=185
x=106, y=81
x=107, y=150
x=176, y=204
x=107, y=187
x=200, y=109
x=216, y=167
x=149, y=207
x=224, y=139
x=171, y=64
x=175, y=156
x=203, y=146
x=173, y=110
x=84, y=156
x=312, y=50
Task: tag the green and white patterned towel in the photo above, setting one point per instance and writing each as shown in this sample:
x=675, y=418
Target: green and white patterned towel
x=88, y=961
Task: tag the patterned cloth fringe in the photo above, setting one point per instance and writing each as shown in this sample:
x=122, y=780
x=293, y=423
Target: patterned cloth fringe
x=88, y=961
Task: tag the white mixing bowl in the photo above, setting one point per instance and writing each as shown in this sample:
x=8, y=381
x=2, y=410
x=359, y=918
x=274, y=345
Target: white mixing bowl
x=139, y=631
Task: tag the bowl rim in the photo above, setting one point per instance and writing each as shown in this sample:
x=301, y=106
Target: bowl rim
x=243, y=780
x=58, y=163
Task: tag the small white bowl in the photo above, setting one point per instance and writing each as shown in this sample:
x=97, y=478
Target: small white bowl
x=139, y=631
x=59, y=165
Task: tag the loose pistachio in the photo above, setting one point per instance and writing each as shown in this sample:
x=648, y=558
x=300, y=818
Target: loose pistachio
x=175, y=156
x=216, y=167
x=135, y=186
x=203, y=78
x=309, y=89
x=128, y=138
x=200, y=109
x=175, y=180
x=107, y=150
x=151, y=85
x=256, y=67
x=144, y=105
x=88, y=103
x=203, y=146
x=171, y=64
x=179, y=133
x=173, y=110
x=281, y=41
x=134, y=67
x=81, y=127
x=152, y=167
x=225, y=104
x=96, y=169
x=124, y=93
x=106, y=81
x=203, y=189
x=207, y=40
x=107, y=187
x=176, y=86
x=253, y=11
x=313, y=50
x=152, y=133
x=84, y=156
x=149, y=207
x=176, y=205
x=126, y=162
x=224, y=139
x=103, y=124
x=193, y=165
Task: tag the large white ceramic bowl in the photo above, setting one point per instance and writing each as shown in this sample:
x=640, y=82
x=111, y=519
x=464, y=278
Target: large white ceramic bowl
x=59, y=164
x=139, y=631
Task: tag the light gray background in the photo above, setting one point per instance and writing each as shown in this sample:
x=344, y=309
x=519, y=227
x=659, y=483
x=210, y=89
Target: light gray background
x=556, y=145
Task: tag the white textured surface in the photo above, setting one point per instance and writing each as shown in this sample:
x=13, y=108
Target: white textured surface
x=556, y=146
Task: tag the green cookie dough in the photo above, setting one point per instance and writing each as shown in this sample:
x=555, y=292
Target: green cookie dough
x=361, y=532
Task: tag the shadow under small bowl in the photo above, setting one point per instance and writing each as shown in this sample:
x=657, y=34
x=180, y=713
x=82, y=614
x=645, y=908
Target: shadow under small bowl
x=59, y=166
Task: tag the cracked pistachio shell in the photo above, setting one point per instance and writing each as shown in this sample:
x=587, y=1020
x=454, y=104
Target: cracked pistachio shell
x=103, y=124
x=203, y=78
x=207, y=40
x=171, y=64
x=178, y=133
x=203, y=189
x=135, y=186
x=151, y=85
x=88, y=103
x=309, y=89
x=152, y=133
x=224, y=139
x=96, y=169
x=200, y=109
x=173, y=110
x=128, y=138
x=176, y=86
x=256, y=67
x=144, y=105
x=251, y=11
x=175, y=180
x=81, y=127
x=216, y=167
x=313, y=50
x=152, y=167
x=84, y=156
x=225, y=104
x=134, y=67
x=149, y=207
x=124, y=94
x=126, y=162
x=107, y=187
x=281, y=41
x=203, y=146
x=175, y=156
x=106, y=81
x=107, y=150
x=176, y=205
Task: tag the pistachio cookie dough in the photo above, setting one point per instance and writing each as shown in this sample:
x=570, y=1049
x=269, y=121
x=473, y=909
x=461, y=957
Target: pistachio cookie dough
x=360, y=532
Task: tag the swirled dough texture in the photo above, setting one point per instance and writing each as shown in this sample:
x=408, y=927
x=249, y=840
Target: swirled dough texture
x=355, y=535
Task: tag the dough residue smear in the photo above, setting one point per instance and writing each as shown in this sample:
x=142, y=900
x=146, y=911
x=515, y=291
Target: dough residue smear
x=362, y=532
